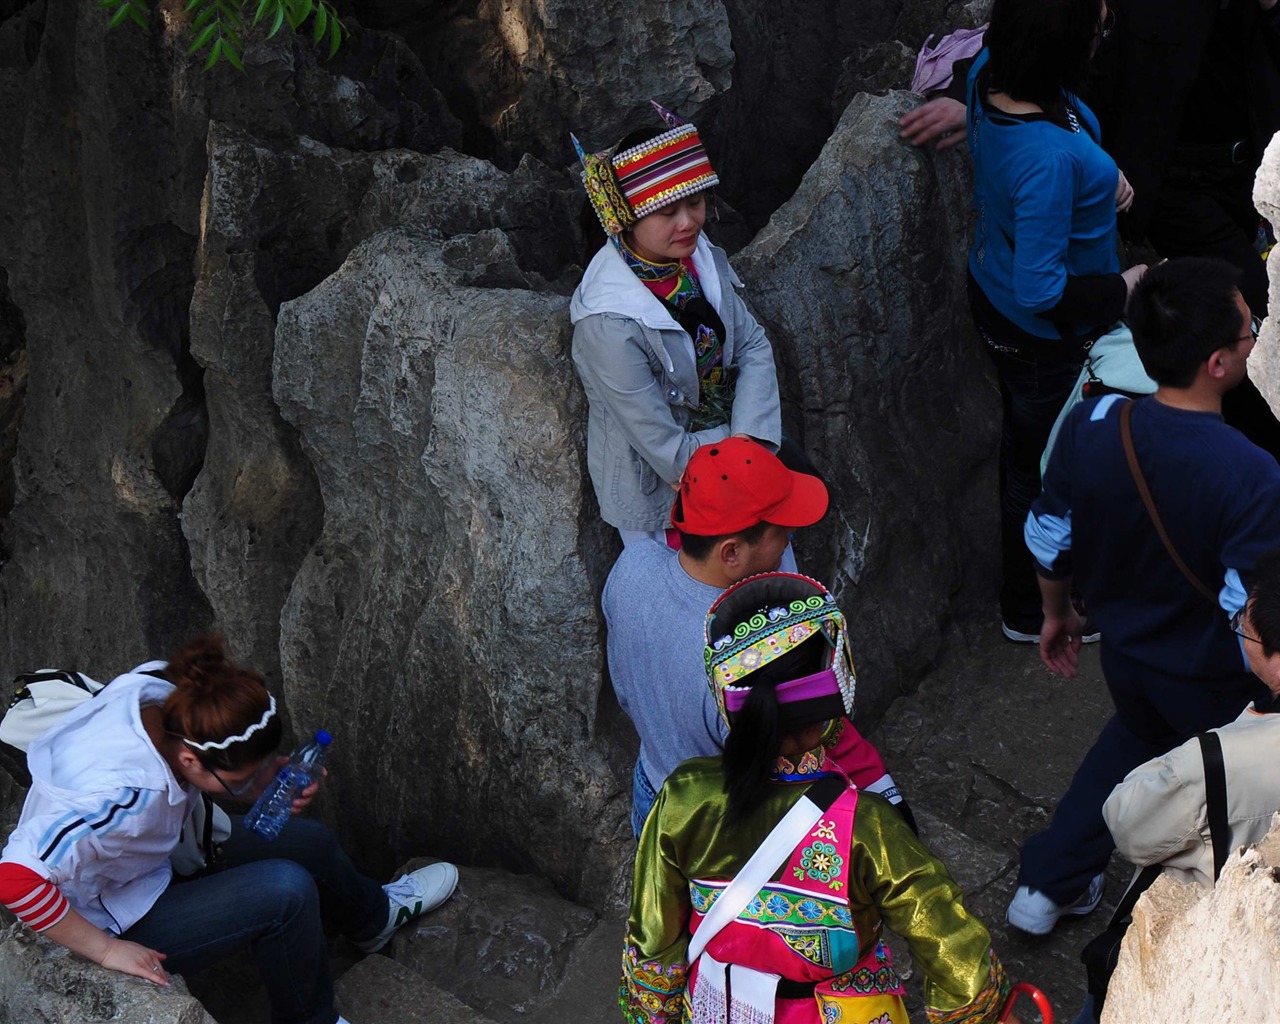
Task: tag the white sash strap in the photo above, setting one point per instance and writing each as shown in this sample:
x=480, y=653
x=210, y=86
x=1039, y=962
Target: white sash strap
x=784, y=838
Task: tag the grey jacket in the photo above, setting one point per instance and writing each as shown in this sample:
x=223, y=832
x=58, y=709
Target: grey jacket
x=637, y=367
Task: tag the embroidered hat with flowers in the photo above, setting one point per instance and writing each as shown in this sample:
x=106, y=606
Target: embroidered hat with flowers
x=625, y=186
x=734, y=484
x=759, y=620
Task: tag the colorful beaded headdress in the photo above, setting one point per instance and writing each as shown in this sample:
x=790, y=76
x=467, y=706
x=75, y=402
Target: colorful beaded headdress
x=623, y=187
x=764, y=617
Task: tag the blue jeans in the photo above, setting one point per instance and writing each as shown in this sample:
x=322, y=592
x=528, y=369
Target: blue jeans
x=642, y=797
x=269, y=897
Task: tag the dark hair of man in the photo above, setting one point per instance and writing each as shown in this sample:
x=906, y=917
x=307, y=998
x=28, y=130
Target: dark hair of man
x=699, y=548
x=1040, y=49
x=1181, y=312
x=1264, y=602
x=751, y=749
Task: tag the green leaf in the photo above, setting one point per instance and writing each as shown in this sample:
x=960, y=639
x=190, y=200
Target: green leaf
x=193, y=5
x=233, y=58
x=122, y=12
x=106, y=5
x=203, y=17
x=203, y=38
x=139, y=14
x=214, y=54
x=335, y=37
x=279, y=20
x=321, y=22
x=262, y=9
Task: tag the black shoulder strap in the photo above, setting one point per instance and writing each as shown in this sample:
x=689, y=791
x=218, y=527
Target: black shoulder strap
x=1215, y=798
x=1140, y=884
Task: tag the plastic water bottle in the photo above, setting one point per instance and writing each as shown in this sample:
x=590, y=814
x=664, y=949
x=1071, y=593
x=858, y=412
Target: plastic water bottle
x=273, y=808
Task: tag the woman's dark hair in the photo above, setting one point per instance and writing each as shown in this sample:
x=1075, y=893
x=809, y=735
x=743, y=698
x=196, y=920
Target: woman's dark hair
x=213, y=699
x=1040, y=49
x=752, y=746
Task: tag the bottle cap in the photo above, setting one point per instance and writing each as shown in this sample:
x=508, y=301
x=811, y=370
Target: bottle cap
x=323, y=738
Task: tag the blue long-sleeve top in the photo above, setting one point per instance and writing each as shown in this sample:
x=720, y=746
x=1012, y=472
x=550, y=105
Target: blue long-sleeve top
x=1219, y=498
x=1046, y=216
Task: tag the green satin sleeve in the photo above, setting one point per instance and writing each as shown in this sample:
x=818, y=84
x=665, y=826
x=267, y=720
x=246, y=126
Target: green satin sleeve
x=654, y=956
x=918, y=899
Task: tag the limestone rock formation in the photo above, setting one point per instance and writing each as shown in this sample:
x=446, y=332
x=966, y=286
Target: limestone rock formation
x=859, y=280
x=41, y=981
x=524, y=75
x=1204, y=954
x=1264, y=362
x=446, y=613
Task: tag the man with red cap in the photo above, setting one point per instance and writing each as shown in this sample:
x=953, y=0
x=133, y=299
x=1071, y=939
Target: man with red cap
x=735, y=510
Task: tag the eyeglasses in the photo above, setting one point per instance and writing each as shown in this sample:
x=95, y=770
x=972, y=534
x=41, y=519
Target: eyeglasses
x=1108, y=23
x=244, y=787
x=1237, y=628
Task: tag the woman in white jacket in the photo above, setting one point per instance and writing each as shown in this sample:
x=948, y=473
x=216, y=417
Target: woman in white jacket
x=667, y=351
x=113, y=784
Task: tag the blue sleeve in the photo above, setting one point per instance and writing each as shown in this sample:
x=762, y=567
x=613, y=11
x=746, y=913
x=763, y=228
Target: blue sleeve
x=1048, y=528
x=1252, y=528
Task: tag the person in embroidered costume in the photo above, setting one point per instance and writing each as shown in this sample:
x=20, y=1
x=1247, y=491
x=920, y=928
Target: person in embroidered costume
x=780, y=670
x=668, y=354
x=735, y=510
x=115, y=782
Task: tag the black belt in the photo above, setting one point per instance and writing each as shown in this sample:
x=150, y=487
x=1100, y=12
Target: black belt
x=788, y=989
x=1214, y=153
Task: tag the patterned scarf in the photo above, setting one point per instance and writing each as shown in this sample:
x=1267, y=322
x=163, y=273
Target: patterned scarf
x=676, y=286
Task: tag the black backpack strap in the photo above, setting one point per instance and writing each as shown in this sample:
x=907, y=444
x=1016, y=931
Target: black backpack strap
x=1215, y=799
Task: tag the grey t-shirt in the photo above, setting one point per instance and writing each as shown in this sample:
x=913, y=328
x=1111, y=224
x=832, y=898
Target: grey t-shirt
x=657, y=613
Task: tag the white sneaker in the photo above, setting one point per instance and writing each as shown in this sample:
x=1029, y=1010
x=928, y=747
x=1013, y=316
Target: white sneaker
x=1032, y=911
x=411, y=897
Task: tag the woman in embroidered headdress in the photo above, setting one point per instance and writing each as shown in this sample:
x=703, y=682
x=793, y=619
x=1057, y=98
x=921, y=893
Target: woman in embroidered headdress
x=114, y=785
x=765, y=863
x=668, y=354
x=1044, y=277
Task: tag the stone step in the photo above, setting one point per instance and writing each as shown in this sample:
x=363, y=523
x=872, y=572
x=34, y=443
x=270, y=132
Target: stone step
x=378, y=990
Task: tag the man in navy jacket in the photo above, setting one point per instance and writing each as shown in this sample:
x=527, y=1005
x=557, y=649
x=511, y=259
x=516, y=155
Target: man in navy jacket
x=1172, y=663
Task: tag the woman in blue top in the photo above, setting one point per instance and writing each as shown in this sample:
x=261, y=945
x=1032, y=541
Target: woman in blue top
x=1044, y=277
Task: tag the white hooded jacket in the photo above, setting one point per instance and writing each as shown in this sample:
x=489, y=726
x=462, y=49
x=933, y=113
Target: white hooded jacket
x=104, y=811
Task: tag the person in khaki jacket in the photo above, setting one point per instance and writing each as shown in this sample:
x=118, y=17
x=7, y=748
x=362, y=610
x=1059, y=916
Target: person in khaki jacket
x=1157, y=815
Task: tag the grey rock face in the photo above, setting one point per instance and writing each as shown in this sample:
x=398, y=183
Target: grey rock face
x=524, y=75
x=379, y=989
x=445, y=617
x=860, y=282
x=41, y=981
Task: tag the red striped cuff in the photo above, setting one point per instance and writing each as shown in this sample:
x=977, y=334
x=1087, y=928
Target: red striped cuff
x=38, y=903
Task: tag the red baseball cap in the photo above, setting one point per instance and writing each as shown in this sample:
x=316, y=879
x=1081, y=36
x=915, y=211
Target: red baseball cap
x=734, y=484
